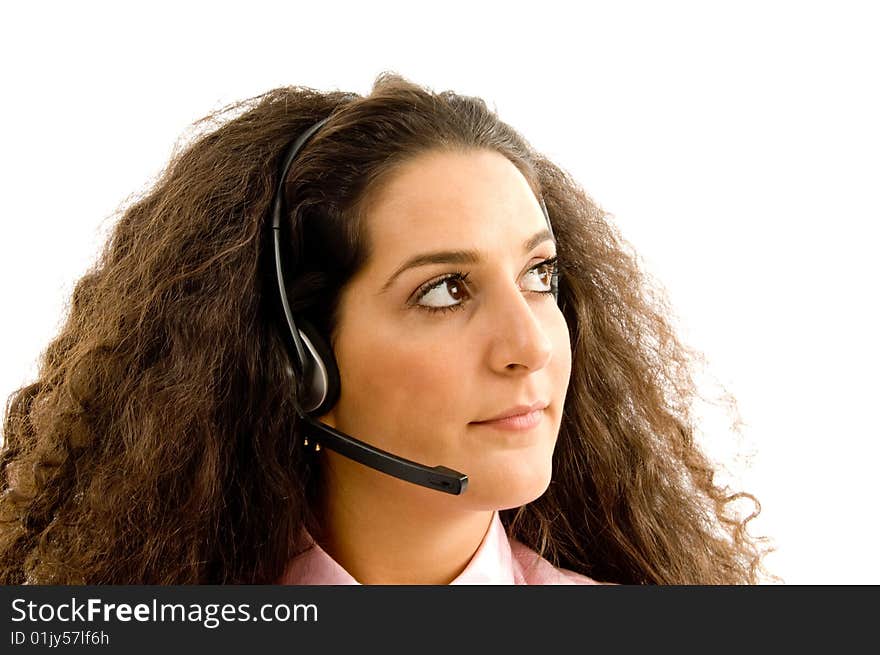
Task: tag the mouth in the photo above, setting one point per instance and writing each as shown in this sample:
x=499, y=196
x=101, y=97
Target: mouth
x=525, y=421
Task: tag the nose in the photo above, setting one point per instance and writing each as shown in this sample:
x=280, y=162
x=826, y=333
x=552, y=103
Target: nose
x=520, y=341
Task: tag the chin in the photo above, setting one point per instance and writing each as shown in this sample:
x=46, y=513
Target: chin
x=525, y=498
x=510, y=490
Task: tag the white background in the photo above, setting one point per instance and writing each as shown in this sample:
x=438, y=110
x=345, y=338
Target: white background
x=735, y=144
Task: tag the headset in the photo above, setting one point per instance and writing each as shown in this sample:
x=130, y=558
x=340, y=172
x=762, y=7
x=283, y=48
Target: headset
x=317, y=375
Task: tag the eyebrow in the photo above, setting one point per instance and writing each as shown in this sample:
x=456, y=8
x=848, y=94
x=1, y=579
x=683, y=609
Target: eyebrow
x=459, y=256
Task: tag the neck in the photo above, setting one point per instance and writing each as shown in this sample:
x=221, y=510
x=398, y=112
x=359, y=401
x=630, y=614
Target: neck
x=387, y=531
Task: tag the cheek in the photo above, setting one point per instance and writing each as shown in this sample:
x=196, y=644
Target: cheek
x=390, y=380
x=559, y=368
x=563, y=352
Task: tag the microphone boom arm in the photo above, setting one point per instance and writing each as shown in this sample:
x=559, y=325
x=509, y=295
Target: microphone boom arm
x=439, y=478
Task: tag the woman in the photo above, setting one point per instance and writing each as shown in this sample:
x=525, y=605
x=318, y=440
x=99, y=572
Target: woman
x=175, y=433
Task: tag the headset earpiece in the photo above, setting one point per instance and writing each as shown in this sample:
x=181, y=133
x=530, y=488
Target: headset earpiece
x=320, y=384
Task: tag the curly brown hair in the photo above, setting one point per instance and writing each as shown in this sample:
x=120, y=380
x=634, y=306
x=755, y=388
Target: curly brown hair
x=158, y=442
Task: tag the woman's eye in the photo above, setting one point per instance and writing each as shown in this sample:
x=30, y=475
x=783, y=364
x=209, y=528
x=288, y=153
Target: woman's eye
x=434, y=297
x=450, y=293
x=545, y=272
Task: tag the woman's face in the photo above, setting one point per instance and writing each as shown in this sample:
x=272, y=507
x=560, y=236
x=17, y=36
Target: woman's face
x=424, y=354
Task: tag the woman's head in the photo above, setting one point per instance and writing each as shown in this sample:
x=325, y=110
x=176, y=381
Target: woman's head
x=427, y=174
x=167, y=393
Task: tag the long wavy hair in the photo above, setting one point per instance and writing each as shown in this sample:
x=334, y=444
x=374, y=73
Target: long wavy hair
x=158, y=444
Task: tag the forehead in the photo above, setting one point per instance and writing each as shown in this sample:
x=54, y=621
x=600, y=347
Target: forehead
x=472, y=199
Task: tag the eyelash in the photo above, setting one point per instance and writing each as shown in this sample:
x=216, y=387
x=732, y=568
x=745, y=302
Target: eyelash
x=458, y=276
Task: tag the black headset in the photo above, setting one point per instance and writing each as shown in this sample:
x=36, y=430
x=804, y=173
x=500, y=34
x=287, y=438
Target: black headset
x=317, y=375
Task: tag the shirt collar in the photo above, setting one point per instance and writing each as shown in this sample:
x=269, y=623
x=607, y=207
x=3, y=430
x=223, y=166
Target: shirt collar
x=492, y=563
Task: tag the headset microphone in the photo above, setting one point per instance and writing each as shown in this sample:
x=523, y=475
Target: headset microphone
x=317, y=375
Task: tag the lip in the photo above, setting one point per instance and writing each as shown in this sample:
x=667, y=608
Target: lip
x=519, y=422
x=518, y=417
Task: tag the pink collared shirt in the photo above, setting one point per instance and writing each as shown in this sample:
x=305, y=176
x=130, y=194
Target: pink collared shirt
x=500, y=560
